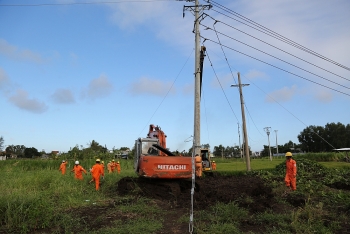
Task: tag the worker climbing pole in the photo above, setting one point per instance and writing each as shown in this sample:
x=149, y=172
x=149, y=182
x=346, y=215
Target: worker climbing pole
x=197, y=11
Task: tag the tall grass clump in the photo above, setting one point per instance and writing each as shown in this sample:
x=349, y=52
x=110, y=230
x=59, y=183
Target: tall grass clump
x=35, y=195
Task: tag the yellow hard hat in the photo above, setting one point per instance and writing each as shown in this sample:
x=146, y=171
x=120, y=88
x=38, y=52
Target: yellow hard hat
x=288, y=154
x=213, y=161
x=118, y=162
x=113, y=160
x=103, y=162
x=98, y=160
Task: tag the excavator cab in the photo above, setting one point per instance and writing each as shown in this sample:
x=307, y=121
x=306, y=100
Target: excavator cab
x=206, y=163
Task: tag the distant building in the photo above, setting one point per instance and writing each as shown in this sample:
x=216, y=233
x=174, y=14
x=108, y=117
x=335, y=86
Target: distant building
x=55, y=152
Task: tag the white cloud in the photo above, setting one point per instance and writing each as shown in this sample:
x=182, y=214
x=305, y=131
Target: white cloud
x=22, y=101
x=63, y=96
x=13, y=52
x=224, y=81
x=4, y=80
x=281, y=95
x=98, y=88
x=322, y=95
x=155, y=87
x=188, y=89
x=131, y=14
x=254, y=75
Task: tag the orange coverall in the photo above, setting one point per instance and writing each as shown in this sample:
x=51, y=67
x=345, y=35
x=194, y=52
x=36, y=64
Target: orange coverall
x=78, y=172
x=113, y=165
x=118, y=167
x=213, y=166
x=109, y=167
x=96, y=172
x=291, y=173
x=63, y=168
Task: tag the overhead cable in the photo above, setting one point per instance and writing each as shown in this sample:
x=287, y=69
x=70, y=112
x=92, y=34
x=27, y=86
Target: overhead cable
x=278, y=48
x=229, y=66
x=278, y=67
x=273, y=34
x=80, y=3
x=216, y=32
x=168, y=91
x=211, y=64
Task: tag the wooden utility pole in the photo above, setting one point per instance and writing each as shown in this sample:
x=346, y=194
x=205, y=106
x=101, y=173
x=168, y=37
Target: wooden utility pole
x=245, y=136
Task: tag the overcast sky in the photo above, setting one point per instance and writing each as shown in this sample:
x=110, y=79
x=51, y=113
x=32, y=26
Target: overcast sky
x=72, y=73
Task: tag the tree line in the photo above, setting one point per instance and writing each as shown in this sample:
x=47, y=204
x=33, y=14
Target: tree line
x=311, y=139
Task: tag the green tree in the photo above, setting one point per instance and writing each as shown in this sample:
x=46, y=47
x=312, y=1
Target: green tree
x=16, y=149
x=324, y=139
x=218, y=150
x=31, y=152
x=96, y=147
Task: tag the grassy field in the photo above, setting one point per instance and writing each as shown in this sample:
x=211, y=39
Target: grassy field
x=35, y=197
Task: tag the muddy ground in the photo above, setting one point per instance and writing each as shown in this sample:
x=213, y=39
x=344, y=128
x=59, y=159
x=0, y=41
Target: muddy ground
x=249, y=192
x=212, y=189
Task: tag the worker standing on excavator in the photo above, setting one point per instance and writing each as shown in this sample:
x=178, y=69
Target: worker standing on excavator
x=291, y=172
x=97, y=172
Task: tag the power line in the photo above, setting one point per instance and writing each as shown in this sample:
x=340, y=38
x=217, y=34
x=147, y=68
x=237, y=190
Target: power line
x=275, y=57
x=230, y=67
x=211, y=64
x=278, y=67
x=168, y=91
x=271, y=33
x=277, y=48
x=81, y=3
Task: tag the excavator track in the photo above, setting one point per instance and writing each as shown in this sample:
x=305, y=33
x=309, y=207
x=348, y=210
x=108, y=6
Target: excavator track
x=156, y=188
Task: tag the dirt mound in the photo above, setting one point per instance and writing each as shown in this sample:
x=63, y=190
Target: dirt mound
x=250, y=191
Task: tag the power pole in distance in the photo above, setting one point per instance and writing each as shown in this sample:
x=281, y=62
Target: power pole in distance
x=245, y=136
x=239, y=146
x=276, y=142
x=267, y=130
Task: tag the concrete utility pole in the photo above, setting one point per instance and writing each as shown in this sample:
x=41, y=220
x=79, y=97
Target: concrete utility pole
x=245, y=136
x=267, y=130
x=276, y=142
x=197, y=99
x=197, y=9
x=239, y=137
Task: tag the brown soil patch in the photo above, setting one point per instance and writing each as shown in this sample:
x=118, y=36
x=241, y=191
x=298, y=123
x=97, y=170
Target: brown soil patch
x=248, y=191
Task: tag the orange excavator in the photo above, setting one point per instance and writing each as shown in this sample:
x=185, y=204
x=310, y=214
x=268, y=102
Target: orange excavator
x=153, y=160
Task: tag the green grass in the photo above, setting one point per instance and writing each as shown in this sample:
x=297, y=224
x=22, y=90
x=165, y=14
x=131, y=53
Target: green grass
x=34, y=196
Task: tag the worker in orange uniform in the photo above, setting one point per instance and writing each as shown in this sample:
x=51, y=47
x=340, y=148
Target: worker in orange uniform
x=291, y=172
x=113, y=166
x=63, y=167
x=78, y=171
x=109, y=167
x=213, y=166
x=198, y=165
x=97, y=172
x=118, y=167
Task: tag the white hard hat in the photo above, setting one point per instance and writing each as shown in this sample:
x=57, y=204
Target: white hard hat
x=63, y=160
x=76, y=162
